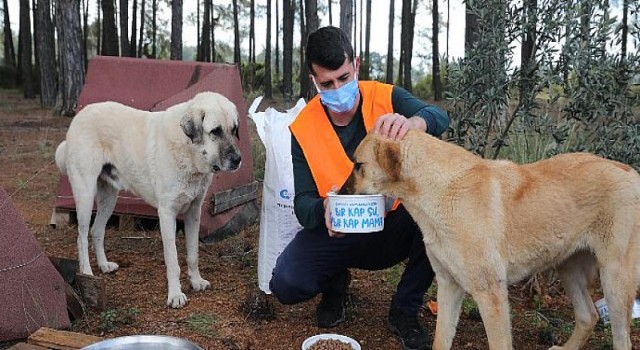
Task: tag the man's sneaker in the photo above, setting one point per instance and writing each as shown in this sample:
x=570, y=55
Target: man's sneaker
x=408, y=328
x=330, y=312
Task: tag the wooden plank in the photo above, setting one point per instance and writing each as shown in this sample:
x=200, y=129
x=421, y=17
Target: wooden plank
x=92, y=290
x=61, y=340
x=66, y=267
x=225, y=200
x=25, y=346
x=75, y=304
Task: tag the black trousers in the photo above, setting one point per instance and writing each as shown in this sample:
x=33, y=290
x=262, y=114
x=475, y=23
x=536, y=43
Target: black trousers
x=311, y=262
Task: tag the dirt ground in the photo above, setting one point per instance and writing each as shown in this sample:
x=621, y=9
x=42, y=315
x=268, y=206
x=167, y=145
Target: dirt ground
x=226, y=316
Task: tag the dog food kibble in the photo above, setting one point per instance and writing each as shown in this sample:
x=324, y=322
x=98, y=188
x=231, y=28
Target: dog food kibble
x=330, y=344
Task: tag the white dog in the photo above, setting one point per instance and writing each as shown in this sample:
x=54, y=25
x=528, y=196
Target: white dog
x=166, y=158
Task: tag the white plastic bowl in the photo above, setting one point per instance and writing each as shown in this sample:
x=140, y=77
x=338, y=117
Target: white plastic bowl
x=357, y=213
x=343, y=338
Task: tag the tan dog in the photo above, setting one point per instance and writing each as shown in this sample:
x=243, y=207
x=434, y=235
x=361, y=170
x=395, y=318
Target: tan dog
x=487, y=224
x=167, y=158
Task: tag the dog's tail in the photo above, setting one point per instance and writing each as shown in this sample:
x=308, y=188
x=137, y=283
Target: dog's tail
x=61, y=161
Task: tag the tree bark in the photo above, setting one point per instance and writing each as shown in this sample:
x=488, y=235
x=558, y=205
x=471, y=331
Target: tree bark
x=46, y=54
x=205, y=45
x=142, y=20
x=303, y=79
x=252, y=34
x=109, y=31
x=85, y=31
x=154, y=29
x=389, y=74
x=287, y=49
x=236, y=35
x=176, y=29
x=366, y=72
x=9, y=49
x=25, y=51
x=213, y=21
x=437, y=85
x=311, y=14
x=346, y=17
x=134, y=30
x=625, y=29
x=406, y=42
x=268, y=90
x=98, y=25
x=71, y=55
x=527, y=51
x=198, y=34
x=124, y=28
x=277, y=39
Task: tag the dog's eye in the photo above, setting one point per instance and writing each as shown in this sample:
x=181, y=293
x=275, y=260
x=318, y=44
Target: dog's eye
x=234, y=132
x=217, y=131
x=357, y=166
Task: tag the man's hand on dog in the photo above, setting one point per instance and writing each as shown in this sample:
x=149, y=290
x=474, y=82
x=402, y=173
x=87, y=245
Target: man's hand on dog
x=395, y=126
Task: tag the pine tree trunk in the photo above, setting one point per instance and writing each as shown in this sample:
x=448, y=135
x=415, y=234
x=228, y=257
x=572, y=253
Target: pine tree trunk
x=437, y=86
x=124, y=28
x=99, y=26
x=367, y=40
x=303, y=77
x=71, y=55
x=252, y=35
x=85, y=31
x=9, y=49
x=471, y=30
x=134, y=30
x=287, y=49
x=213, y=34
x=527, y=52
x=47, y=55
x=278, y=39
x=198, y=34
x=25, y=51
x=389, y=74
x=406, y=41
x=236, y=35
x=141, y=51
x=268, y=90
x=176, y=29
x=625, y=29
x=109, y=30
x=205, y=44
x=313, y=22
x=346, y=17
x=154, y=29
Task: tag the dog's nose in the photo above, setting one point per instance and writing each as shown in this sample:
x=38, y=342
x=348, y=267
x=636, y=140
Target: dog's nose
x=235, y=160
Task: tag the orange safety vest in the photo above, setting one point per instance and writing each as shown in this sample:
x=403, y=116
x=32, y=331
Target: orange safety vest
x=329, y=163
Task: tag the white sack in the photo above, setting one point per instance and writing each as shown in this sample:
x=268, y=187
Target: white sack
x=278, y=223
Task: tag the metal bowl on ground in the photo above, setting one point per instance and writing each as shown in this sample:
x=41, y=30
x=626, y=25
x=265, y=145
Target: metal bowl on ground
x=329, y=336
x=144, y=342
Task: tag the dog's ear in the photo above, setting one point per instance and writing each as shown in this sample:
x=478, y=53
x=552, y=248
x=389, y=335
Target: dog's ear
x=191, y=124
x=389, y=158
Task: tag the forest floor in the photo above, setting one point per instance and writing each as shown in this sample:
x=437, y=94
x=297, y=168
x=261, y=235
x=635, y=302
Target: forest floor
x=224, y=316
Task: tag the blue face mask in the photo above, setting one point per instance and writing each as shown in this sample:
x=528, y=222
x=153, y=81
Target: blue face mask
x=342, y=99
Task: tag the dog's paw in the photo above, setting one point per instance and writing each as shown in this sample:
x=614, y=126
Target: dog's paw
x=555, y=347
x=109, y=267
x=199, y=284
x=177, y=300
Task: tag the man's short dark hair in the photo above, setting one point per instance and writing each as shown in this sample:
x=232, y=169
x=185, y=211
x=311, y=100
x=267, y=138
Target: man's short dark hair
x=328, y=47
